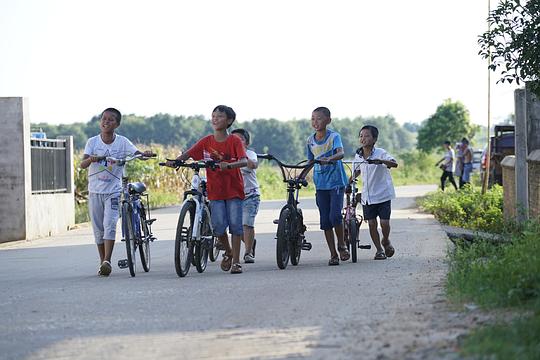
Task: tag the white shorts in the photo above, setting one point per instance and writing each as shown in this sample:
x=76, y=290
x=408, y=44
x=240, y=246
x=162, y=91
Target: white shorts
x=104, y=213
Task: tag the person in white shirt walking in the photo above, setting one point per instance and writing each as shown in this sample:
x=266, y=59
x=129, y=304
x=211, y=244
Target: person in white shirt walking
x=250, y=205
x=377, y=188
x=447, y=165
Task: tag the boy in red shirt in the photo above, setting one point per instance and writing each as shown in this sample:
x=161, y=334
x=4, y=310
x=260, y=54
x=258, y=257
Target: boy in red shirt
x=225, y=185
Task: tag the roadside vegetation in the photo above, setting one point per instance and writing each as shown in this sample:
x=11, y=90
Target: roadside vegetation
x=492, y=275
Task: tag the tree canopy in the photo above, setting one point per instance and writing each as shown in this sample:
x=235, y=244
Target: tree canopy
x=450, y=122
x=512, y=44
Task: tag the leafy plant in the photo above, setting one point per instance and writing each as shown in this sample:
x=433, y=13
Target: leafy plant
x=513, y=42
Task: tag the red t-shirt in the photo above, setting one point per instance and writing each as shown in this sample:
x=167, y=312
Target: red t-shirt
x=222, y=184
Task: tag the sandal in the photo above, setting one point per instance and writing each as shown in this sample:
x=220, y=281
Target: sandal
x=388, y=249
x=333, y=261
x=380, y=255
x=236, y=268
x=226, y=262
x=343, y=253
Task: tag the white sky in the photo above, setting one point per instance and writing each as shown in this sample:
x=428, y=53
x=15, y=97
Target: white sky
x=266, y=59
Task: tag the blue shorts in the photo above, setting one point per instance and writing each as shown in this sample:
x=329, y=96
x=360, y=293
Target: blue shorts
x=250, y=209
x=330, y=204
x=466, y=176
x=382, y=210
x=226, y=213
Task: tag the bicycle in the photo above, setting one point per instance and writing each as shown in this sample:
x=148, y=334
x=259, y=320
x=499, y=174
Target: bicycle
x=290, y=238
x=136, y=222
x=352, y=221
x=194, y=241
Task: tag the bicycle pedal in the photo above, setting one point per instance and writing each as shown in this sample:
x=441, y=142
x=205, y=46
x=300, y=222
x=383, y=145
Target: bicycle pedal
x=152, y=238
x=276, y=221
x=149, y=221
x=122, y=264
x=306, y=246
x=364, y=246
x=123, y=240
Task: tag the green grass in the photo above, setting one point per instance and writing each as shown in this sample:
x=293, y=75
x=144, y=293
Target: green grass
x=504, y=276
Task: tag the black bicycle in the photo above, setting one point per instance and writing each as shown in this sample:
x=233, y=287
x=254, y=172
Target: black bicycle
x=290, y=238
x=195, y=241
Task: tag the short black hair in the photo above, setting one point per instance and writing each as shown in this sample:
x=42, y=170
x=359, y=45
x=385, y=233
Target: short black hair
x=116, y=113
x=231, y=115
x=243, y=132
x=447, y=142
x=324, y=110
x=374, y=131
x=465, y=141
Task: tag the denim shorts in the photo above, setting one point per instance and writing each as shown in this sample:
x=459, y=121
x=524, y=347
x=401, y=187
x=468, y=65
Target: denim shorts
x=330, y=203
x=382, y=210
x=466, y=176
x=226, y=213
x=104, y=212
x=250, y=209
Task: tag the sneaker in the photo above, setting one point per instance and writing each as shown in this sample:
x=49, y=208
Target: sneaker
x=249, y=258
x=105, y=268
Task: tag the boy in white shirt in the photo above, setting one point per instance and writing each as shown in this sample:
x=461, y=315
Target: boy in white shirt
x=377, y=190
x=105, y=183
x=250, y=205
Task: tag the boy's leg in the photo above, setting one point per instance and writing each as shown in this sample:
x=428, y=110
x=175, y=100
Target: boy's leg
x=234, y=214
x=385, y=210
x=249, y=235
x=219, y=218
x=374, y=233
x=336, y=206
x=443, y=180
x=110, y=220
x=323, y=200
x=95, y=210
x=452, y=181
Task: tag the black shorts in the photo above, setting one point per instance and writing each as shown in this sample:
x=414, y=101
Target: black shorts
x=381, y=210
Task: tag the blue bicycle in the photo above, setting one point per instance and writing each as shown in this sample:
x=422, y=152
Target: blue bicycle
x=136, y=221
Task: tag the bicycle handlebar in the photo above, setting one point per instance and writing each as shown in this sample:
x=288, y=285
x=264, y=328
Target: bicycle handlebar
x=128, y=158
x=196, y=165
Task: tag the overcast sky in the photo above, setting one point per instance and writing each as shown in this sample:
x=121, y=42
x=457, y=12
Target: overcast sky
x=266, y=59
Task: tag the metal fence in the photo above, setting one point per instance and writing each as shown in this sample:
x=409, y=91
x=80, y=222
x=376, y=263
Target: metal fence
x=49, y=173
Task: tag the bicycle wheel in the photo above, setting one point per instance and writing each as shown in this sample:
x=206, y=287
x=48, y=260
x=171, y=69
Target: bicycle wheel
x=183, y=249
x=144, y=244
x=202, y=247
x=353, y=238
x=213, y=251
x=129, y=237
x=295, y=241
x=283, y=236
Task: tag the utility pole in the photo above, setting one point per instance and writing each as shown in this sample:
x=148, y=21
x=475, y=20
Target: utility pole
x=488, y=150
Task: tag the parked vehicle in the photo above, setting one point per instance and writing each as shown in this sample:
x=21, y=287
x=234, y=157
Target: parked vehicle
x=502, y=144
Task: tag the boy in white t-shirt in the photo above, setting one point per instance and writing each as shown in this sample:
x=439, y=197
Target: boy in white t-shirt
x=105, y=183
x=377, y=188
x=250, y=205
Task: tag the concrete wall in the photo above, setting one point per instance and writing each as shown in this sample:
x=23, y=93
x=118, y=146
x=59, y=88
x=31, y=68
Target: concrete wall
x=533, y=161
x=15, y=150
x=509, y=190
x=24, y=215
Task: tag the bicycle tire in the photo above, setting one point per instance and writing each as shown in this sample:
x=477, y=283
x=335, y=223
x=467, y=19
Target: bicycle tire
x=295, y=245
x=202, y=247
x=129, y=237
x=282, y=238
x=144, y=245
x=353, y=238
x=213, y=253
x=183, y=248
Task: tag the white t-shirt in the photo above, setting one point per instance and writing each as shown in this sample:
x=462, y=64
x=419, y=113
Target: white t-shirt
x=377, y=186
x=251, y=185
x=449, y=160
x=104, y=177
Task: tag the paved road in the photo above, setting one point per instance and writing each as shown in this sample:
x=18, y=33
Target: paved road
x=52, y=304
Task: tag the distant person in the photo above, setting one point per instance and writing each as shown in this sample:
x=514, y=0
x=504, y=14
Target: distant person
x=252, y=195
x=330, y=180
x=225, y=185
x=447, y=165
x=467, y=162
x=373, y=164
x=105, y=183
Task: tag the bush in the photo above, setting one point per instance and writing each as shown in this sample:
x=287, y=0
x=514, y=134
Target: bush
x=468, y=208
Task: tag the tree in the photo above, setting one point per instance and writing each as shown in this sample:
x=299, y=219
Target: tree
x=513, y=42
x=450, y=122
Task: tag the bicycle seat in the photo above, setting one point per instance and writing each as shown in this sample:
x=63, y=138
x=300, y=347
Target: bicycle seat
x=136, y=187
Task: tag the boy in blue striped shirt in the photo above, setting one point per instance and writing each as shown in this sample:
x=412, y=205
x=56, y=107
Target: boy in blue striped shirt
x=330, y=180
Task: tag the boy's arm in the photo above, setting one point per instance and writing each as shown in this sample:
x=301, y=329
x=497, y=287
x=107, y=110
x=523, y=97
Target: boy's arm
x=338, y=155
x=87, y=160
x=233, y=165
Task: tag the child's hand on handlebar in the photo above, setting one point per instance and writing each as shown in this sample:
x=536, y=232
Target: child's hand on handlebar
x=224, y=165
x=375, y=161
x=149, y=154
